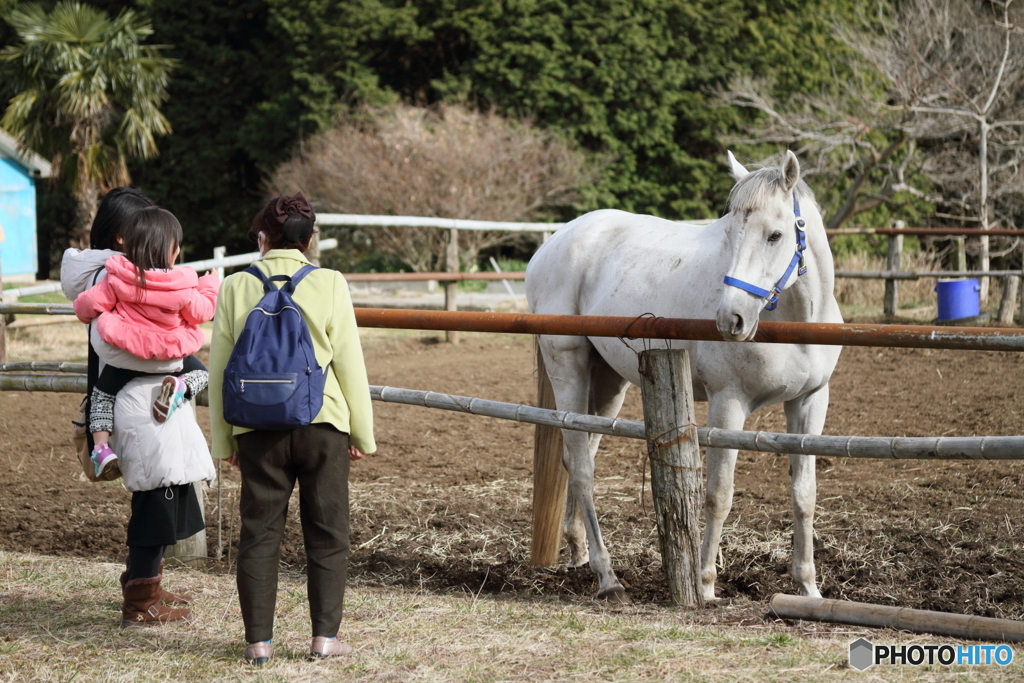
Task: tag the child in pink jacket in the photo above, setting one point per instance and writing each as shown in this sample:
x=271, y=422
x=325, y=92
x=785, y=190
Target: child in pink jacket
x=152, y=310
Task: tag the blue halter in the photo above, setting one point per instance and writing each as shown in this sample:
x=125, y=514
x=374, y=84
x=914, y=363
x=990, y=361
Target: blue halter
x=771, y=297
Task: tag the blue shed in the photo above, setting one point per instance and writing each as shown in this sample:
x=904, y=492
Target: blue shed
x=19, y=169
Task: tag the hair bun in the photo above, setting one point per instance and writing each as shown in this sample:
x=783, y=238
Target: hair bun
x=284, y=207
x=297, y=228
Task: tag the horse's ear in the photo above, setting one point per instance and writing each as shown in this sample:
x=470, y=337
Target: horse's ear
x=790, y=170
x=736, y=168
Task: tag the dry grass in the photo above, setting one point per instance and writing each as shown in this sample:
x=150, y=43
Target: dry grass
x=864, y=297
x=59, y=622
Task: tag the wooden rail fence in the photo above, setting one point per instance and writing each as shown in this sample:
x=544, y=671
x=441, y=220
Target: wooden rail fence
x=676, y=515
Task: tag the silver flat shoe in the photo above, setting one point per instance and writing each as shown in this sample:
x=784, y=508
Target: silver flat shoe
x=325, y=648
x=259, y=653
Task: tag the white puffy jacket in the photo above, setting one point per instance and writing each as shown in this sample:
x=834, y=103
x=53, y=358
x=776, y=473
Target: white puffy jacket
x=151, y=455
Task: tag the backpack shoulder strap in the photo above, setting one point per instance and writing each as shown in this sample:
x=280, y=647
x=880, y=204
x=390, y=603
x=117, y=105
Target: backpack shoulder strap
x=253, y=270
x=289, y=281
x=301, y=273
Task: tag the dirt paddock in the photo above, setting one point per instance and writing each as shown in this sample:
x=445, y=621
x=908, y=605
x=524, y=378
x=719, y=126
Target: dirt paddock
x=445, y=505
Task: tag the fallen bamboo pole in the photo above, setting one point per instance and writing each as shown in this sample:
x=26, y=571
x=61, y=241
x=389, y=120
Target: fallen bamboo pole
x=876, y=447
x=904, y=618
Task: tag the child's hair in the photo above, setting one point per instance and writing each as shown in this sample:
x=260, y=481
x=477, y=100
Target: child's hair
x=148, y=239
x=116, y=210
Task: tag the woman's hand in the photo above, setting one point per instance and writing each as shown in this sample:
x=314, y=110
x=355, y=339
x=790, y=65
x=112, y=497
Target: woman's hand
x=233, y=460
x=355, y=454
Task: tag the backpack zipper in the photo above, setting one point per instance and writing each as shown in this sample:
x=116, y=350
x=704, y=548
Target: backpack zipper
x=263, y=381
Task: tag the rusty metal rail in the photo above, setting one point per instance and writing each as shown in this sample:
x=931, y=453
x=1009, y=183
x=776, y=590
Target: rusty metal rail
x=829, y=334
x=836, y=334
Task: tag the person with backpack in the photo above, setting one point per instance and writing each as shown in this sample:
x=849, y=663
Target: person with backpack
x=289, y=401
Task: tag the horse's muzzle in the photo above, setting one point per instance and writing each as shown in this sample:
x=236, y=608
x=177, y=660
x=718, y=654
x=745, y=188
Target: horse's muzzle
x=734, y=326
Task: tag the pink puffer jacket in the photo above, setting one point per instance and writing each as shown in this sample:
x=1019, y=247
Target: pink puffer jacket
x=160, y=321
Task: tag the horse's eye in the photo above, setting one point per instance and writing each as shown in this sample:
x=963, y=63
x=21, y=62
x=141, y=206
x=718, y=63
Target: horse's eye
x=776, y=236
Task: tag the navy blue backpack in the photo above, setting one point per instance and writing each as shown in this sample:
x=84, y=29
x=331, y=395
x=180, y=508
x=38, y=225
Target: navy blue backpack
x=272, y=380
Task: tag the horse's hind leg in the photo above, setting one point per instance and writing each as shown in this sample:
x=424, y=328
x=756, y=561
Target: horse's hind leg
x=568, y=363
x=607, y=392
x=805, y=415
x=724, y=413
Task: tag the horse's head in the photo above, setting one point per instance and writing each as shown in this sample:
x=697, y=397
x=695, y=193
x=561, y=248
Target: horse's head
x=767, y=239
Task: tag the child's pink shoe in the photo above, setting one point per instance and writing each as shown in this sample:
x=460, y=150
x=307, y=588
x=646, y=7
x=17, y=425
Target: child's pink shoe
x=102, y=459
x=172, y=396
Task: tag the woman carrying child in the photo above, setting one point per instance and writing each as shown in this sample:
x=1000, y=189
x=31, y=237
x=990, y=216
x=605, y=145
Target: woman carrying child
x=160, y=457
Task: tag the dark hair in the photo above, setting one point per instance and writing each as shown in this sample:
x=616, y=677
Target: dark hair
x=148, y=239
x=115, y=210
x=294, y=233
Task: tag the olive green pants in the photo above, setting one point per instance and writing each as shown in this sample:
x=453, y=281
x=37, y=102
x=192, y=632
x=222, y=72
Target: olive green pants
x=271, y=462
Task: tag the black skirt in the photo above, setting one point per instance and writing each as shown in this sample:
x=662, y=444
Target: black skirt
x=164, y=516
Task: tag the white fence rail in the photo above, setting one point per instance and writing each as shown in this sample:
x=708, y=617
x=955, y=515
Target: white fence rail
x=207, y=264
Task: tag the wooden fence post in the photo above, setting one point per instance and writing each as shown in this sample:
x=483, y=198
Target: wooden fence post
x=550, y=480
x=3, y=319
x=191, y=550
x=220, y=252
x=676, y=469
x=451, y=289
x=1008, y=302
x=1020, y=304
x=893, y=264
x=959, y=256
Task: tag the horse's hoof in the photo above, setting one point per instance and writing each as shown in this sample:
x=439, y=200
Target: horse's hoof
x=614, y=595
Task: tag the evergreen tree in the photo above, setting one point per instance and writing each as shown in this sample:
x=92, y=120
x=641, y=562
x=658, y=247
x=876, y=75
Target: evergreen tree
x=87, y=95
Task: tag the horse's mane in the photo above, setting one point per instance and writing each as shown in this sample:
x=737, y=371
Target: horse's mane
x=756, y=189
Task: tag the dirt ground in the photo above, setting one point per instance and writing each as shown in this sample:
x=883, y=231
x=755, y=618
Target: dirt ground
x=445, y=504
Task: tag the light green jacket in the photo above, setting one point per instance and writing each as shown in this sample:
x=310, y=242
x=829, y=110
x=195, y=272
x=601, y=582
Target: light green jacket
x=324, y=299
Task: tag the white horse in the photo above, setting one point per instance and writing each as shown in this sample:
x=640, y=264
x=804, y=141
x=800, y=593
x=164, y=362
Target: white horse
x=614, y=263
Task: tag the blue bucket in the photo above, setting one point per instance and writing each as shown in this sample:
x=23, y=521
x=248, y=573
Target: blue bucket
x=958, y=299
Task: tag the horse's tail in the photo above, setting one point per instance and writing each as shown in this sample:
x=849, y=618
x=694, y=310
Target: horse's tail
x=549, y=478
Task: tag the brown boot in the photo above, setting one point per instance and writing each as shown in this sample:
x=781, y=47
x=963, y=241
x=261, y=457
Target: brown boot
x=166, y=597
x=142, y=606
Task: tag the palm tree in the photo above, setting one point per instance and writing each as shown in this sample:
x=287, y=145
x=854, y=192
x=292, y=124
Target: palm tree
x=88, y=95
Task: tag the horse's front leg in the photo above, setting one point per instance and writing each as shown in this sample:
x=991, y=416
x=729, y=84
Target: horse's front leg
x=724, y=413
x=805, y=415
